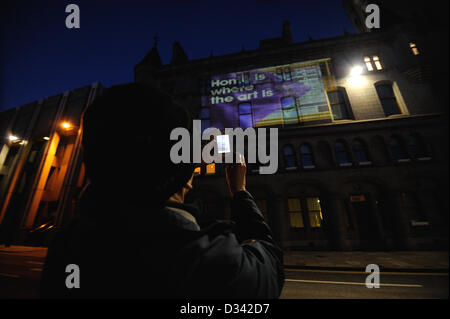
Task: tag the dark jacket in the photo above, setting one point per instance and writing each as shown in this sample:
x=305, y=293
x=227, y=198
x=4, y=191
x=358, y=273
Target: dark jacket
x=166, y=254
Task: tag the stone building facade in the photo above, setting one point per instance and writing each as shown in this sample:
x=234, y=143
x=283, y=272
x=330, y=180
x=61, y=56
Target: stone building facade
x=372, y=177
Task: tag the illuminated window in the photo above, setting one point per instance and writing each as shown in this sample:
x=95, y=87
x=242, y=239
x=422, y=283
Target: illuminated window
x=387, y=99
x=204, y=115
x=295, y=213
x=377, y=62
x=245, y=115
x=289, y=157
x=360, y=152
x=197, y=170
x=338, y=103
x=398, y=150
x=211, y=169
x=342, y=155
x=414, y=49
x=314, y=212
x=306, y=156
x=373, y=63
x=368, y=63
x=262, y=205
x=289, y=109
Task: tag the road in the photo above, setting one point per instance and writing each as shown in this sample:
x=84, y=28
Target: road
x=329, y=284
x=20, y=275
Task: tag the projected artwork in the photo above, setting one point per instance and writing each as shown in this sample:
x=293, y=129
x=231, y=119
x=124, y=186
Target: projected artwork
x=288, y=94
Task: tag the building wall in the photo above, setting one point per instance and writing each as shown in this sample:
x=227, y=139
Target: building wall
x=41, y=171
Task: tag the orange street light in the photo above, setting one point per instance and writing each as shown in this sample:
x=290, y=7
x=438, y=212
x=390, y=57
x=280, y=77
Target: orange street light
x=66, y=125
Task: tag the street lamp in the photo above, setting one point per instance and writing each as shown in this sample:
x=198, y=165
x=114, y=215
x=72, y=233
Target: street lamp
x=13, y=138
x=66, y=125
x=356, y=70
x=355, y=78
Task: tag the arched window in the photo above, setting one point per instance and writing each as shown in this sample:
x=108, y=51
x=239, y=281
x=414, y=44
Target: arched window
x=398, y=150
x=417, y=148
x=339, y=104
x=289, y=157
x=245, y=115
x=342, y=154
x=360, y=153
x=387, y=98
x=289, y=110
x=204, y=116
x=306, y=156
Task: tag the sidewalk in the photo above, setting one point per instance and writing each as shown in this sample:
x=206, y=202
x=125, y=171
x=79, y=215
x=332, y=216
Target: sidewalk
x=433, y=261
x=358, y=260
x=40, y=252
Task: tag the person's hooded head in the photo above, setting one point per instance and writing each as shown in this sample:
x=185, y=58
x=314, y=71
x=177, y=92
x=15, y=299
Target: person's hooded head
x=126, y=144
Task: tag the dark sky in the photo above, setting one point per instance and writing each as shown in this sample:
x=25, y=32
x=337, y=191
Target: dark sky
x=40, y=57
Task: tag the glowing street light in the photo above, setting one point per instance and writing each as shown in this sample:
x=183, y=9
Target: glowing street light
x=356, y=70
x=13, y=138
x=66, y=125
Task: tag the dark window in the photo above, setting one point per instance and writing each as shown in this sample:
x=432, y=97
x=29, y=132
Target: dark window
x=387, y=99
x=306, y=155
x=245, y=115
x=279, y=75
x=342, y=155
x=360, y=151
x=412, y=205
x=11, y=154
x=397, y=148
x=289, y=156
x=287, y=74
x=417, y=147
x=339, y=106
x=246, y=79
x=204, y=116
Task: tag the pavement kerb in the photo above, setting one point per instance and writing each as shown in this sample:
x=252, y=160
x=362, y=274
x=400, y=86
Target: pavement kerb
x=362, y=269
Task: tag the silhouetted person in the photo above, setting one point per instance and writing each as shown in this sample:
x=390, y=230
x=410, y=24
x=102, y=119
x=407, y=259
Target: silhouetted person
x=136, y=238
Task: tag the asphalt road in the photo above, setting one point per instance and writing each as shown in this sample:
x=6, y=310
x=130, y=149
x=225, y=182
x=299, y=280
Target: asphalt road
x=20, y=275
x=327, y=284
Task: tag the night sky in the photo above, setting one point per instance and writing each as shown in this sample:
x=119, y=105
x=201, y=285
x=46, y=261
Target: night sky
x=40, y=57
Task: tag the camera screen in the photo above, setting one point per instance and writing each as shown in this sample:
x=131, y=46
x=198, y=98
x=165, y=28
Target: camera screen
x=223, y=143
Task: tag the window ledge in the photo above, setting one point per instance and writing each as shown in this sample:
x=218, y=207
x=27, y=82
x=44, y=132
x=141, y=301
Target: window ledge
x=366, y=163
x=293, y=168
x=404, y=160
x=309, y=166
x=427, y=158
x=345, y=164
x=419, y=223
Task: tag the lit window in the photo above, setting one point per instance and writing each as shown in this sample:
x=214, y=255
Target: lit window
x=368, y=63
x=306, y=156
x=245, y=115
x=289, y=157
x=372, y=63
x=414, y=49
x=377, y=62
x=211, y=169
x=295, y=213
x=387, y=98
x=314, y=212
x=197, y=171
